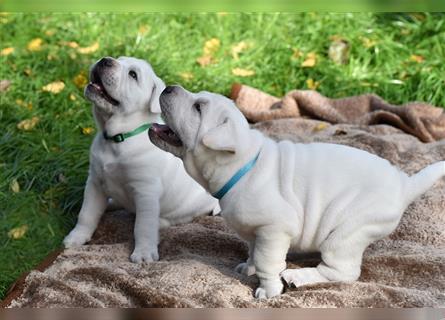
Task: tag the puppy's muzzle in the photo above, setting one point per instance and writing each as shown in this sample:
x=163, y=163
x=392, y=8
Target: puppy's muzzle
x=106, y=62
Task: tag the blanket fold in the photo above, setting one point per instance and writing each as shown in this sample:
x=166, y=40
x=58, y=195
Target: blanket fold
x=422, y=120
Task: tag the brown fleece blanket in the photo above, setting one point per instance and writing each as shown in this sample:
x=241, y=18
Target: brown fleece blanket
x=406, y=269
x=422, y=120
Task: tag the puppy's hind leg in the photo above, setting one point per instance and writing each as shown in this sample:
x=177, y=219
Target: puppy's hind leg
x=93, y=206
x=341, y=256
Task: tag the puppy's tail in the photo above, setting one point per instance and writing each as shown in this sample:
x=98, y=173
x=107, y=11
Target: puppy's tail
x=423, y=180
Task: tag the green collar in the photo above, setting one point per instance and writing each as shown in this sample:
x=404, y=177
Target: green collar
x=121, y=137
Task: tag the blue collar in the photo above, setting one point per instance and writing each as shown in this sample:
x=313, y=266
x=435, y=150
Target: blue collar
x=236, y=177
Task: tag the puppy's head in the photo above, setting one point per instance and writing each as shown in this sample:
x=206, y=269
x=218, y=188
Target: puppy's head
x=207, y=124
x=123, y=85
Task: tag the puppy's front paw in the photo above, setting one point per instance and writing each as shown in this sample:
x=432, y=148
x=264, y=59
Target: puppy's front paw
x=301, y=277
x=141, y=255
x=245, y=269
x=269, y=289
x=76, y=238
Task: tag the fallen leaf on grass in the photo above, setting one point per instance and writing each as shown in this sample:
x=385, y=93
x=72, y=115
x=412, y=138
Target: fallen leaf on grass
x=144, y=29
x=35, y=44
x=93, y=48
x=186, y=76
x=14, y=186
x=72, y=97
x=22, y=103
x=54, y=87
x=72, y=44
x=310, y=61
x=204, y=60
x=87, y=131
x=311, y=84
x=339, y=51
x=296, y=53
x=28, y=124
x=80, y=80
x=416, y=58
x=50, y=32
x=242, y=72
x=28, y=71
x=210, y=48
x=4, y=85
x=7, y=51
x=368, y=43
x=238, y=48
x=18, y=233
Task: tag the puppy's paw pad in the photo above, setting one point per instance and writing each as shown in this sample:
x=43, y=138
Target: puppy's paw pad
x=245, y=269
x=141, y=256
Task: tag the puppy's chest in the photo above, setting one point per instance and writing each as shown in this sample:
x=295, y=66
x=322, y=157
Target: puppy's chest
x=111, y=173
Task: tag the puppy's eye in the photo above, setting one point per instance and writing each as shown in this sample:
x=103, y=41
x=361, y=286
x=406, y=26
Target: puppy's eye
x=133, y=74
x=197, y=107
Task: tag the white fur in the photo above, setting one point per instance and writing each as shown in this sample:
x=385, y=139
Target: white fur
x=305, y=197
x=135, y=174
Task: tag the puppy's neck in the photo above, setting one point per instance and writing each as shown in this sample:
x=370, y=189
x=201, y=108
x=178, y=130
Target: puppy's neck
x=118, y=123
x=217, y=172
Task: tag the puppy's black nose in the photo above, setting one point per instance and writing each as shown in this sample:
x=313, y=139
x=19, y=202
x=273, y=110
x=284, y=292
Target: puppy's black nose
x=106, y=62
x=168, y=89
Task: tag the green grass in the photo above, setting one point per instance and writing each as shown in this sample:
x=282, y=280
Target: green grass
x=50, y=161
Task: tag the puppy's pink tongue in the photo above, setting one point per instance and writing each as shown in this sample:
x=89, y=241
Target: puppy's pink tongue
x=157, y=127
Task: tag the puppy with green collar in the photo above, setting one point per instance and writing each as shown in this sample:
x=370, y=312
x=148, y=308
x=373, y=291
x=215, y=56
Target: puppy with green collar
x=285, y=196
x=126, y=167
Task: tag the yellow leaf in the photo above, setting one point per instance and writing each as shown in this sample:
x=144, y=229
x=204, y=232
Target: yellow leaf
x=19, y=232
x=321, y=126
x=311, y=84
x=243, y=72
x=296, y=53
x=6, y=51
x=93, y=48
x=238, y=48
x=54, y=87
x=87, y=131
x=80, y=80
x=310, y=61
x=72, y=97
x=28, y=71
x=14, y=185
x=204, y=60
x=416, y=58
x=35, y=44
x=50, y=32
x=186, y=76
x=144, y=29
x=368, y=43
x=28, y=124
x=72, y=44
x=211, y=46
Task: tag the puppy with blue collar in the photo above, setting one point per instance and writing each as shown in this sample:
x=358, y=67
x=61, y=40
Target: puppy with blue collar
x=283, y=196
x=125, y=167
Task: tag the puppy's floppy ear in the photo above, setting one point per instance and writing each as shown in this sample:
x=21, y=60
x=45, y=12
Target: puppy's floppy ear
x=158, y=86
x=220, y=138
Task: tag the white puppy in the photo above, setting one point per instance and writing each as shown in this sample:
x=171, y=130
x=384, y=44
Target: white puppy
x=126, y=167
x=307, y=197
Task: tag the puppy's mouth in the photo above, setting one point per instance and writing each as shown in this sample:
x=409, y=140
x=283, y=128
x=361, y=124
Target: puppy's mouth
x=165, y=133
x=97, y=86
